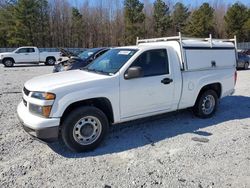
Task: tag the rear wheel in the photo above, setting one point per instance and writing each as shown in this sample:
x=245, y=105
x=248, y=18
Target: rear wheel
x=246, y=66
x=84, y=128
x=50, y=61
x=8, y=62
x=206, y=104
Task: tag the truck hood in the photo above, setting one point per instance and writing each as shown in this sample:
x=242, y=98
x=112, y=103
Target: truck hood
x=50, y=82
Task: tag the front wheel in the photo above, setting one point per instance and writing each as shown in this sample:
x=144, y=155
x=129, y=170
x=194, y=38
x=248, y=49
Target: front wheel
x=50, y=61
x=84, y=128
x=8, y=62
x=206, y=104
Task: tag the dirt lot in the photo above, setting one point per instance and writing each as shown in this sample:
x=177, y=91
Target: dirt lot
x=155, y=152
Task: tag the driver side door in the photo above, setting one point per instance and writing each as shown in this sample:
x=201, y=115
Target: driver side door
x=150, y=93
x=21, y=55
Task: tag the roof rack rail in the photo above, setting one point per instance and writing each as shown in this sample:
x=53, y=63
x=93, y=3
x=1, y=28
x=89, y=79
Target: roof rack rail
x=180, y=38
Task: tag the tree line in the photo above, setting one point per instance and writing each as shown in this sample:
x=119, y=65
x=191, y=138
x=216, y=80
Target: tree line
x=57, y=23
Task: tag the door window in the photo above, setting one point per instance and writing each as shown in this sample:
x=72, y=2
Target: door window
x=23, y=50
x=153, y=62
x=31, y=50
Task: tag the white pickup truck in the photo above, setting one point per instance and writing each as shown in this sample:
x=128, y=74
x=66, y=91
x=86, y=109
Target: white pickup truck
x=28, y=54
x=127, y=83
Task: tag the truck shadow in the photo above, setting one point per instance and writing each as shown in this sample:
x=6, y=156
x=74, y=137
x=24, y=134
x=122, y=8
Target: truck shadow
x=151, y=130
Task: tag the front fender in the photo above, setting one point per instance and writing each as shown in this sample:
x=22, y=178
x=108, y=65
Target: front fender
x=64, y=101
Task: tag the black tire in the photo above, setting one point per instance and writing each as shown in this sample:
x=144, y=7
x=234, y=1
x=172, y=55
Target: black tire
x=50, y=61
x=246, y=66
x=73, y=120
x=208, y=97
x=8, y=62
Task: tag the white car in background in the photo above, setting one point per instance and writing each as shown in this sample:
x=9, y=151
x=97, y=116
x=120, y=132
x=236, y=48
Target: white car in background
x=28, y=54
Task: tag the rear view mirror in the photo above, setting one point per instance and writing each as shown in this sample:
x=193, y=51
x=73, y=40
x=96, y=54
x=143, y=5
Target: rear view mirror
x=133, y=72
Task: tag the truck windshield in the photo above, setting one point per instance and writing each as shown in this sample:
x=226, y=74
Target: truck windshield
x=110, y=62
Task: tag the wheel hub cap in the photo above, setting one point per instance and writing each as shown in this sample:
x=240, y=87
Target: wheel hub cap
x=8, y=62
x=87, y=130
x=208, y=104
x=51, y=61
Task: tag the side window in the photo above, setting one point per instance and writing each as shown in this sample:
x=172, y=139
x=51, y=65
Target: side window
x=23, y=50
x=31, y=50
x=153, y=62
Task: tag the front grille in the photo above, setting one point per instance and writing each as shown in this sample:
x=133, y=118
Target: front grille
x=26, y=92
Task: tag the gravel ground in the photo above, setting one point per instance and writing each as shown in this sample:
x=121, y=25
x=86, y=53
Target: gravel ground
x=172, y=150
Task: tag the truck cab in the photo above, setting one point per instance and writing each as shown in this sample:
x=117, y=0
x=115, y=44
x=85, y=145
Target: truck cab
x=127, y=83
x=26, y=54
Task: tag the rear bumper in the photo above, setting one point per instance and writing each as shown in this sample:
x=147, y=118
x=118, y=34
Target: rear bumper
x=46, y=129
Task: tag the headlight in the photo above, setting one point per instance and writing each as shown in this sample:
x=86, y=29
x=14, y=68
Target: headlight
x=43, y=95
x=40, y=110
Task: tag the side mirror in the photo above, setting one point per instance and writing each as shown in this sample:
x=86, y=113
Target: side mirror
x=133, y=72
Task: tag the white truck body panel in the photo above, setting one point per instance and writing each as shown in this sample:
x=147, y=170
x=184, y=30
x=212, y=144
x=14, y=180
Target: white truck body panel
x=193, y=81
x=222, y=58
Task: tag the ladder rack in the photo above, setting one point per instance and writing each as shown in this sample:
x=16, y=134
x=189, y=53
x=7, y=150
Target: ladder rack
x=180, y=38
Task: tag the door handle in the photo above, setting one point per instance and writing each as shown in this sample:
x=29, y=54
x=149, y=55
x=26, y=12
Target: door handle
x=166, y=80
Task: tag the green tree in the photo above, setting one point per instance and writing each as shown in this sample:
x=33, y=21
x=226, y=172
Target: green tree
x=42, y=25
x=162, y=19
x=25, y=23
x=246, y=30
x=236, y=19
x=6, y=23
x=180, y=16
x=77, y=28
x=201, y=23
x=134, y=18
x=29, y=23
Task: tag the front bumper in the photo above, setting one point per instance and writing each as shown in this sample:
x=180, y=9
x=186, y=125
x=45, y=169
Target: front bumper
x=46, y=129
